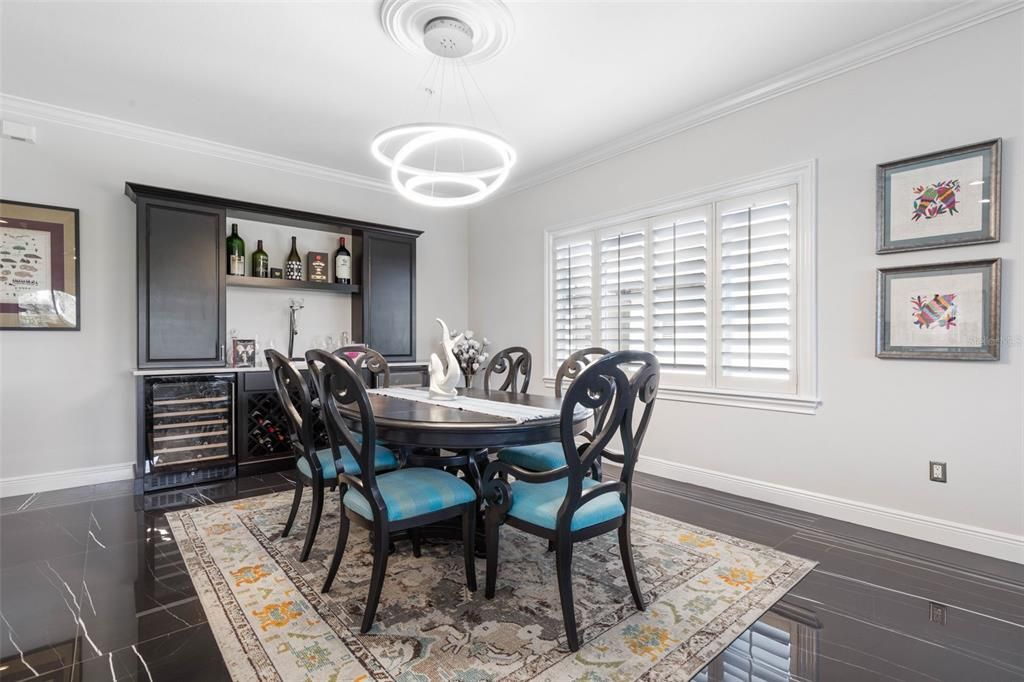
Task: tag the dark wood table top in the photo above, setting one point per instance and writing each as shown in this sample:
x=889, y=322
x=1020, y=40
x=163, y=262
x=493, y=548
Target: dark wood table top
x=411, y=422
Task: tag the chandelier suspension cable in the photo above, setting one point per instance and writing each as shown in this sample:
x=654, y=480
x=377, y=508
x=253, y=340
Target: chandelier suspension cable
x=487, y=102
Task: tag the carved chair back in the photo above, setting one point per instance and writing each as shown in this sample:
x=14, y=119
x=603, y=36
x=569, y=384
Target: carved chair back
x=514, y=362
x=606, y=388
x=370, y=361
x=339, y=384
x=296, y=403
x=574, y=364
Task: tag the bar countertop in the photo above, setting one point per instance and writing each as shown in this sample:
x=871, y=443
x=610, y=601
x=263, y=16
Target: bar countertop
x=238, y=370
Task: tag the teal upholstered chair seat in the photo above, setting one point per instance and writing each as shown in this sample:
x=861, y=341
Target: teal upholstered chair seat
x=382, y=459
x=413, y=492
x=542, y=457
x=538, y=503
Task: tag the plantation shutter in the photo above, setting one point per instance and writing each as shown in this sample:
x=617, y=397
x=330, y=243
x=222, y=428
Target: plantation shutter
x=756, y=320
x=574, y=281
x=679, y=292
x=623, y=283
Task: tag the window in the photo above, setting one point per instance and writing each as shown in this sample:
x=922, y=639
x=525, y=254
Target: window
x=755, y=315
x=623, y=253
x=573, y=296
x=719, y=287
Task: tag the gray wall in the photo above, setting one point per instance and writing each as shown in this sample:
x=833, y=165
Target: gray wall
x=864, y=455
x=68, y=398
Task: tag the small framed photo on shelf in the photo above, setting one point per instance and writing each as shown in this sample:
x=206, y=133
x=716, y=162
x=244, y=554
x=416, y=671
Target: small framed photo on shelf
x=276, y=273
x=948, y=198
x=243, y=352
x=945, y=311
x=39, y=267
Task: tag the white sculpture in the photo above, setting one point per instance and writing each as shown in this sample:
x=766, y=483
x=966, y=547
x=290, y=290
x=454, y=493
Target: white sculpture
x=445, y=377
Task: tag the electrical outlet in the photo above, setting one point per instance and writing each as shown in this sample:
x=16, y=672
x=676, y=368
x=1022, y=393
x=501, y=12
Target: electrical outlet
x=937, y=471
x=936, y=613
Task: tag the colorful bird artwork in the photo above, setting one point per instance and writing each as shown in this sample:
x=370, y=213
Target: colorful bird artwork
x=935, y=200
x=939, y=311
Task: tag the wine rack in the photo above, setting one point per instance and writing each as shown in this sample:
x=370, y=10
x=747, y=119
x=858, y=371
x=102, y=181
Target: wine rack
x=267, y=434
x=190, y=429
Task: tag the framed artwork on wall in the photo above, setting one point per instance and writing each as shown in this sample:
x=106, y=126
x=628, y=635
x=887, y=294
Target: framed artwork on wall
x=945, y=311
x=949, y=198
x=39, y=267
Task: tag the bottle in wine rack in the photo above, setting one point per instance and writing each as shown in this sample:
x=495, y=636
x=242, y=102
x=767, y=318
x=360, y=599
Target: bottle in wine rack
x=293, y=265
x=236, y=253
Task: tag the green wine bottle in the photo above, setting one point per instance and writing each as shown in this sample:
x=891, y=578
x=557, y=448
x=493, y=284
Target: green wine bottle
x=236, y=252
x=260, y=261
x=293, y=265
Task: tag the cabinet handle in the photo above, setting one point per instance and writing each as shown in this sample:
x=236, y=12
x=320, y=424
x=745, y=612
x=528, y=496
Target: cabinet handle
x=220, y=353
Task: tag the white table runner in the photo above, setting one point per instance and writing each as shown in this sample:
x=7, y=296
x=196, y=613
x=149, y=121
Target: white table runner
x=518, y=413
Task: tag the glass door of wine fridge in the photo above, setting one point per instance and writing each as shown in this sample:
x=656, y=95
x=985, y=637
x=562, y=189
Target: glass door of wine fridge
x=190, y=429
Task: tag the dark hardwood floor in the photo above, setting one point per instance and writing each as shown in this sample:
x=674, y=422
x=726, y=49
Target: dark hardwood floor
x=92, y=587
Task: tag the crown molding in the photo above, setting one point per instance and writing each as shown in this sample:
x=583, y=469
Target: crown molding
x=20, y=107
x=957, y=18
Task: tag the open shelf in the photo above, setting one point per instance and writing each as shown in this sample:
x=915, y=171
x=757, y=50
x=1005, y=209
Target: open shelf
x=267, y=283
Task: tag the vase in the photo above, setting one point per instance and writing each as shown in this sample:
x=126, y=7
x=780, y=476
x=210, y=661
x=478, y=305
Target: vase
x=468, y=377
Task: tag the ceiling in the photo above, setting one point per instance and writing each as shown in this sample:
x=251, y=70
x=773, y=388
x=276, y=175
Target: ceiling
x=315, y=82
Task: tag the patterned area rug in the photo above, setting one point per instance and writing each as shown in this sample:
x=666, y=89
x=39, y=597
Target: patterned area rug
x=272, y=623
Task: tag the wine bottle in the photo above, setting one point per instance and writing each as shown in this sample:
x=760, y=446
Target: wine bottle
x=342, y=264
x=236, y=253
x=293, y=265
x=260, y=261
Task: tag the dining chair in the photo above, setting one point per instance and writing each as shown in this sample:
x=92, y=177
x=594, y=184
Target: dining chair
x=368, y=363
x=514, y=362
x=565, y=505
x=546, y=456
x=390, y=502
x=316, y=468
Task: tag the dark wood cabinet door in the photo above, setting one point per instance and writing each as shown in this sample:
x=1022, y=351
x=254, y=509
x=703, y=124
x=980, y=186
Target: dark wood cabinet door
x=181, y=284
x=389, y=295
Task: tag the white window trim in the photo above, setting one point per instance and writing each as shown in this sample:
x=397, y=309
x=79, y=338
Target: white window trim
x=806, y=399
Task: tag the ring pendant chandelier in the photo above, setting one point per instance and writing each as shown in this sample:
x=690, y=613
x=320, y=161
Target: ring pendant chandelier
x=437, y=163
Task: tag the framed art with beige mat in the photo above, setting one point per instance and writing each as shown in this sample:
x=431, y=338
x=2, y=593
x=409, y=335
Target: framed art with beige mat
x=39, y=267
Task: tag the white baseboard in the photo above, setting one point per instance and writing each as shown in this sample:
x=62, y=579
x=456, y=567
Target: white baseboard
x=69, y=478
x=970, y=538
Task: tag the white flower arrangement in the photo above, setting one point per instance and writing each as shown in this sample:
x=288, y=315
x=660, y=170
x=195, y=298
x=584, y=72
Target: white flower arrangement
x=470, y=353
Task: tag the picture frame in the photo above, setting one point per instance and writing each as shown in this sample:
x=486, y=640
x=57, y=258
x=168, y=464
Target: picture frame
x=938, y=200
x=40, y=275
x=243, y=352
x=941, y=311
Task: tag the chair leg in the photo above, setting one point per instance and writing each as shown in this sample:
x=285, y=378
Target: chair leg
x=295, y=508
x=314, y=520
x=492, y=525
x=469, y=545
x=563, y=563
x=626, y=550
x=414, y=537
x=339, y=550
x=380, y=566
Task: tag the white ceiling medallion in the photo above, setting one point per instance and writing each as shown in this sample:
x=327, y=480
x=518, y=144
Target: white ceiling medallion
x=445, y=164
x=489, y=21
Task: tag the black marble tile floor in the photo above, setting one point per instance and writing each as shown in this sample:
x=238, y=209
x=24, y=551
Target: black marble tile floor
x=92, y=587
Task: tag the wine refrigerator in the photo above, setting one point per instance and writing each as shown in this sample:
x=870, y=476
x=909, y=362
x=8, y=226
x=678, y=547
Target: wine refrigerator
x=189, y=430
